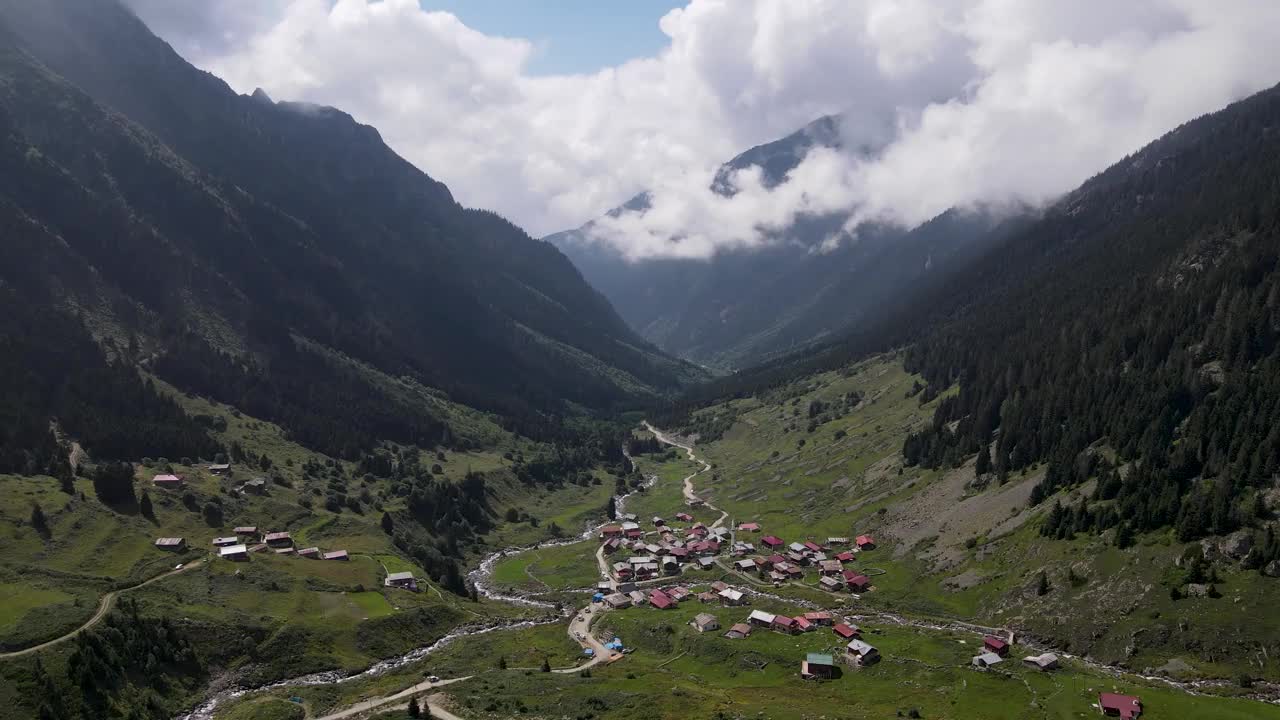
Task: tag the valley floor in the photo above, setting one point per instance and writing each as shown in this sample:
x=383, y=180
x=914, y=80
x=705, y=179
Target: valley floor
x=926, y=626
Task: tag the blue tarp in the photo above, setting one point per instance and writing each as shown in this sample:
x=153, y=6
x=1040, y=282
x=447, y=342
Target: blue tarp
x=597, y=597
x=588, y=652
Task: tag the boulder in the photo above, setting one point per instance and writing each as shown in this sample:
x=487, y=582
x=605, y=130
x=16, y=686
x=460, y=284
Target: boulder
x=1237, y=544
x=1196, y=590
x=1272, y=569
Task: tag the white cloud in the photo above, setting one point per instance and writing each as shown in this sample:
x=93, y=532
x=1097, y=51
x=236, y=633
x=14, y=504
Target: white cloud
x=987, y=100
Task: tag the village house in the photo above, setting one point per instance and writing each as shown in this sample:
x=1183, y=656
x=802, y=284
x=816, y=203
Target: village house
x=1125, y=707
x=617, y=601
x=772, y=542
x=705, y=622
x=742, y=548
x=283, y=550
x=168, y=481
x=694, y=502
x=749, y=527
x=628, y=517
x=670, y=566
x=719, y=585
x=731, y=597
x=246, y=530
x=796, y=558
x=830, y=567
x=311, y=552
x=986, y=660
x=803, y=625
x=611, y=546
x=760, y=618
x=661, y=600
x=260, y=547
x=658, y=522
x=844, y=557
x=707, y=596
x=234, y=552
x=611, y=531
x=777, y=578
x=866, y=542
x=784, y=624
x=847, y=631
x=679, y=593
x=401, y=580
x=622, y=570
x=337, y=555
x=793, y=572
x=813, y=547
x=837, y=541
x=830, y=584
x=1044, y=662
x=819, y=618
x=818, y=666
x=176, y=544
x=220, y=468
x=706, y=563
x=638, y=598
x=996, y=645
x=257, y=486
x=745, y=566
x=278, y=539
x=679, y=553
x=738, y=631
x=856, y=581
x=684, y=517
x=655, y=549
x=225, y=541
x=698, y=531
x=604, y=586
x=797, y=548
x=861, y=654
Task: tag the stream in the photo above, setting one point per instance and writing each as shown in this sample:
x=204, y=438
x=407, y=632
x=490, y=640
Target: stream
x=481, y=578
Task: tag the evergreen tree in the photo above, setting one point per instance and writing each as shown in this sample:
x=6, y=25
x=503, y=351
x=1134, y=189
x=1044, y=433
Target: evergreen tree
x=414, y=710
x=546, y=665
x=388, y=525
x=1042, y=584
x=612, y=509
x=982, y=465
x=145, y=507
x=502, y=662
x=39, y=521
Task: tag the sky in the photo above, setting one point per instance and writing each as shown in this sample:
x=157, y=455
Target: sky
x=552, y=113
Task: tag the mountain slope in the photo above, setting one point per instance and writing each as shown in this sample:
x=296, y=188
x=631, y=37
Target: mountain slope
x=742, y=307
x=220, y=236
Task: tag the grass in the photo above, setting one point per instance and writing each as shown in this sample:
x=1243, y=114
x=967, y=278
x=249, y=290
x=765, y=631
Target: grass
x=561, y=567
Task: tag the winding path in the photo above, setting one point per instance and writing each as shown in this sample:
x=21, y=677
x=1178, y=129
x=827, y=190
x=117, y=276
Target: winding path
x=107, y=602
x=689, y=493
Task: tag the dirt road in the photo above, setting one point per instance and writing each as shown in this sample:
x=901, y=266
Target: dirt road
x=367, y=705
x=689, y=493
x=104, y=606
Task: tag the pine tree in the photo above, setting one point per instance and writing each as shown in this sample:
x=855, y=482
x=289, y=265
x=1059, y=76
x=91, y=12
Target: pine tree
x=145, y=507
x=612, y=509
x=982, y=465
x=502, y=662
x=414, y=710
x=39, y=521
x=546, y=665
x=1042, y=584
x=1124, y=536
x=388, y=525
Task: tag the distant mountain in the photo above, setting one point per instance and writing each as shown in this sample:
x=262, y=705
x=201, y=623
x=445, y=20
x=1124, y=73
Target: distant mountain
x=745, y=306
x=276, y=256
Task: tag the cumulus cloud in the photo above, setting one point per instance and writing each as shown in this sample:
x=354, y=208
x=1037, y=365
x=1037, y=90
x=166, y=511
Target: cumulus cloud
x=968, y=101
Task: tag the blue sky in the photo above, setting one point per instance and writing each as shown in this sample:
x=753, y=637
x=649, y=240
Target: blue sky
x=573, y=36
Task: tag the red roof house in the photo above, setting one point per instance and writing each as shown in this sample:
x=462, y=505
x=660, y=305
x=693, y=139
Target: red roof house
x=749, y=527
x=661, y=600
x=865, y=542
x=169, y=481
x=813, y=546
x=846, y=631
x=818, y=618
x=803, y=625
x=857, y=583
x=1125, y=707
x=996, y=645
x=784, y=624
x=844, y=557
x=611, y=531
x=772, y=542
x=684, y=517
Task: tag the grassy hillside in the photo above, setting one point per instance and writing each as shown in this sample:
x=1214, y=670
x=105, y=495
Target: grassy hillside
x=955, y=545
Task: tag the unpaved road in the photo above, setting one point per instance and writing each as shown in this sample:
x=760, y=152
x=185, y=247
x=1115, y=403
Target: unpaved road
x=689, y=493
x=367, y=705
x=104, y=606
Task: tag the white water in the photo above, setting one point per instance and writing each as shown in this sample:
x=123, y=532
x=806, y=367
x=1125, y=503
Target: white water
x=480, y=578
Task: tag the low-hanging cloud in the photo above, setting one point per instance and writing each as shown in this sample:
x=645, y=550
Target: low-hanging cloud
x=968, y=101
